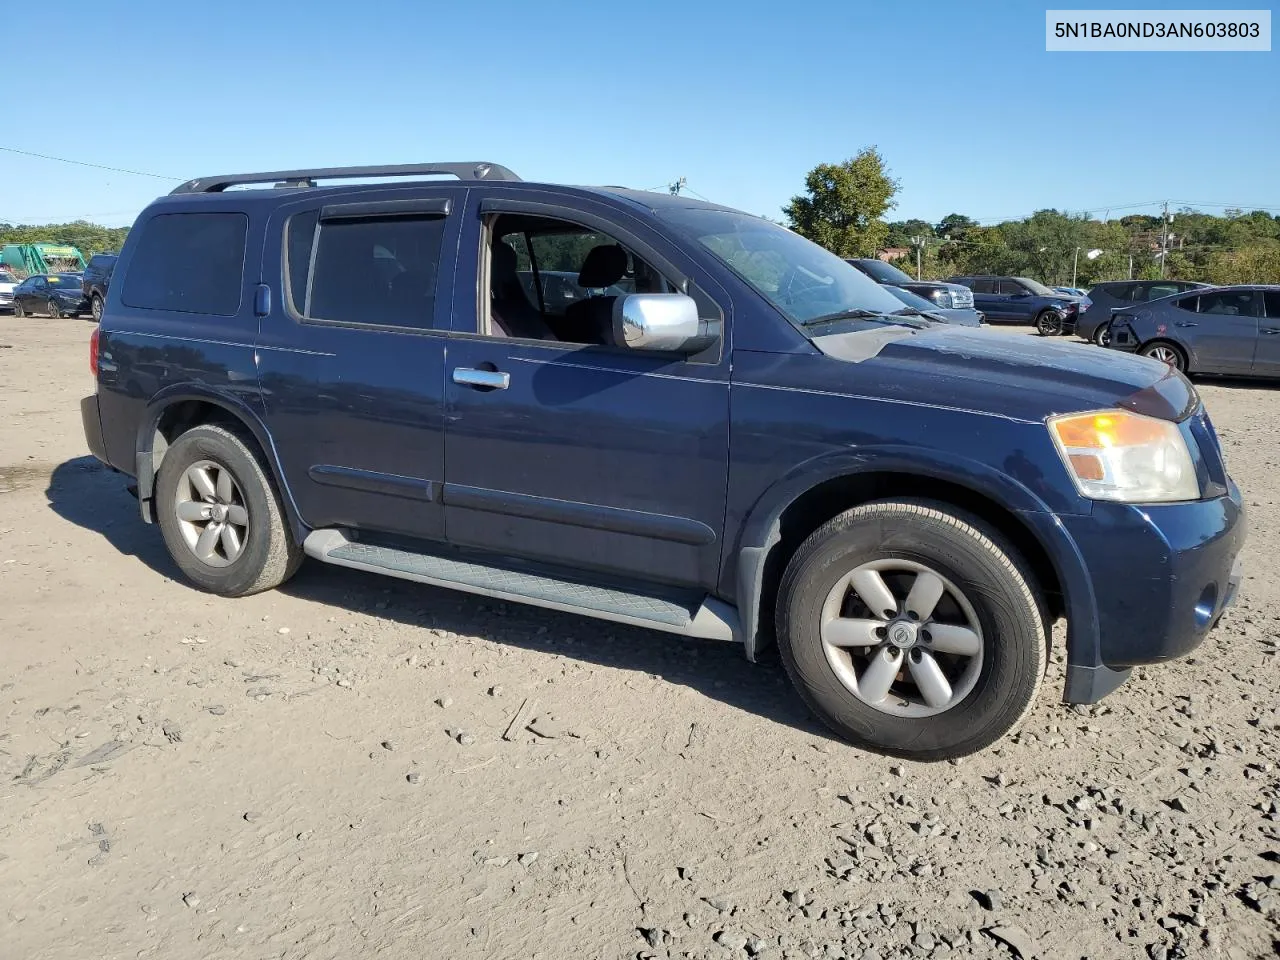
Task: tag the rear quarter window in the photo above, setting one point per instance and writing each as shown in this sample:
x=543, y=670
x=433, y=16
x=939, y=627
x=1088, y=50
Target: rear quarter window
x=188, y=263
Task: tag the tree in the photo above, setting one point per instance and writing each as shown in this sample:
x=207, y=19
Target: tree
x=843, y=204
x=955, y=225
x=903, y=233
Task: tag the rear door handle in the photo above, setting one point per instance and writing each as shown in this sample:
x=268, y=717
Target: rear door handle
x=1186, y=323
x=1271, y=329
x=487, y=379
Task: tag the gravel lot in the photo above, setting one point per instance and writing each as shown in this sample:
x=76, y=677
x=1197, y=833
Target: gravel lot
x=321, y=771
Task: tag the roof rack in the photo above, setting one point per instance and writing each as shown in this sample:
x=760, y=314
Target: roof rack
x=471, y=170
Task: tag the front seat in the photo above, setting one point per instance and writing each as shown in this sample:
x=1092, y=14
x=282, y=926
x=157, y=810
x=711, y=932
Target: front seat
x=509, y=309
x=591, y=320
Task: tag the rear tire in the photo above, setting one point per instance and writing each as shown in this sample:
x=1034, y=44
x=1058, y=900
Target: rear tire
x=1048, y=323
x=259, y=553
x=991, y=658
x=1102, y=336
x=95, y=308
x=54, y=311
x=1165, y=352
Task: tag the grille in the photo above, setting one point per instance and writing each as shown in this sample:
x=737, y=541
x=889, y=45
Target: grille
x=963, y=297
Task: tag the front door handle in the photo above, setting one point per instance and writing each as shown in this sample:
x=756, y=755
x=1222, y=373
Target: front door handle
x=1270, y=330
x=487, y=379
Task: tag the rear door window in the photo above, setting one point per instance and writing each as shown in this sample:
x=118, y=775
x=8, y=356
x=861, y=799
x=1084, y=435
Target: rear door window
x=984, y=286
x=378, y=271
x=1123, y=292
x=188, y=263
x=1190, y=304
x=1229, y=303
x=1011, y=288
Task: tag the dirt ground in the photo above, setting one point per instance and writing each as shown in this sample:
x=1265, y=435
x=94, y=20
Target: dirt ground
x=319, y=772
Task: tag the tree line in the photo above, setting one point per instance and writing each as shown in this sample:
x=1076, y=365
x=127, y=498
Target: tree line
x=88, y=238
x=843, y=208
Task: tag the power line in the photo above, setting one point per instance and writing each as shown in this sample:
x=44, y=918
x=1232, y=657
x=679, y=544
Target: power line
x=85, y=163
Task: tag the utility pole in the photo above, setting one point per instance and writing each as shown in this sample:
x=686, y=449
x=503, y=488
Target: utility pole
x=919, y=241
x=1164, y=238
x=676, y=187
x=1075, y=264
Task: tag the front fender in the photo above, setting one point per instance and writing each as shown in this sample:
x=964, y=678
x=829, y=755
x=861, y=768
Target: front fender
x=235, y=407
x=761, y=529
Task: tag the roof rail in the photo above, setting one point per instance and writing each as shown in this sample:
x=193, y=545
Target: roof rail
x=471, y=170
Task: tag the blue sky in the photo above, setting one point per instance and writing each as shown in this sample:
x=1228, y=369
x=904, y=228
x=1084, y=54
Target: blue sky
x=741, y=98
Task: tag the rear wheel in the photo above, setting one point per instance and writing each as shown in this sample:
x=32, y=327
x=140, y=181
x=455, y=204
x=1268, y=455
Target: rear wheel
x=1166, y=353
x=17, y=309
x=95, y=307
x=1102, y=336
x=53, y=309
x=221, y=516
x=912, y=628
x=1049, y=323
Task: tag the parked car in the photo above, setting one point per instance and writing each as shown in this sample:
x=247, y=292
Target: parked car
x=948, y=296
x=1094, y=323
x=1023, y=300
x=961, y=318
x=7, y=282
x=1228, y=330
x=54, y=294
x=750, y=447
x=97, y=277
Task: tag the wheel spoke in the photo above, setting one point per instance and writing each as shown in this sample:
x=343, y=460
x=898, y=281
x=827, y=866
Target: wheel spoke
x=192, y=511
x=876, y=680
x=847, y=632
x=930, y=681
x=924, y=595
x=238, y=515
x=208, y=540
x=231, y=542
x=948, y=638
x=201, y=482
x=875, y=593
x=224, y=489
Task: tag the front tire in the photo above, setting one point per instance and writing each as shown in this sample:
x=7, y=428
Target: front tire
x=221, y=516
x=95, y=308
x=912, y=629
x=1048, y=323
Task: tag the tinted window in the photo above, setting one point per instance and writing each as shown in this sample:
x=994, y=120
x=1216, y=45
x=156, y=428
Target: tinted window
x=1116, y=291
x=1188, y=303
x=1154, y=291
x=882, y=272
x=984, y=286
x=1229, y=303
x=300, y=235
x=188, y=263
x=1011, y=288
x=379, y=271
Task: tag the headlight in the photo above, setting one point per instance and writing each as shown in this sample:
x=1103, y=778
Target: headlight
x=1118, y=455
x=943, y=299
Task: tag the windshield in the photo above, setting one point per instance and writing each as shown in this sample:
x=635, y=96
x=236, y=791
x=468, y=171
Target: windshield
x=910, y=299
x=65, y=278
x=883, y=272
x=800, y=278
x=6, y=277
x=1036, y=287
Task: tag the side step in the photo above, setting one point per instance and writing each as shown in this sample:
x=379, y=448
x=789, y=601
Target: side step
x=709, y=618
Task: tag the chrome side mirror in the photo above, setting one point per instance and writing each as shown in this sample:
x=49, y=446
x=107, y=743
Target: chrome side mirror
x=668, y=322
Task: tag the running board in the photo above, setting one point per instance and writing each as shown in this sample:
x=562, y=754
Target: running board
x=709, y=619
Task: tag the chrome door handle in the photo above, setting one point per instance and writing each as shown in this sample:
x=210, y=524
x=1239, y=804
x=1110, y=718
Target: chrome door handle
x=490, y=379
x=1186, y=323
x=1270, y=330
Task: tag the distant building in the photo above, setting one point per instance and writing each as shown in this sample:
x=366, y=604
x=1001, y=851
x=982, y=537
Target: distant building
x=890, y=254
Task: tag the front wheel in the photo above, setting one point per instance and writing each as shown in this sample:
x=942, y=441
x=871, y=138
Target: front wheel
x=1049, y=323
x=1102, y=336
x=913, y=629
x=221, y=516
x=53, y=309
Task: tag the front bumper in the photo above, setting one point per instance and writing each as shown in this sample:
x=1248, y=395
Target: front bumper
x=1162, y=575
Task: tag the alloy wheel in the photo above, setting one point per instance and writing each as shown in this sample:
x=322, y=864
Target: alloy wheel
x=211, y=512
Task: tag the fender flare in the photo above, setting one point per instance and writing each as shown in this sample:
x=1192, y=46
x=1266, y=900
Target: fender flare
x=145, y=466
x=761, y=530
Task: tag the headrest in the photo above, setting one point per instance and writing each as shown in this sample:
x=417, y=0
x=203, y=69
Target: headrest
x=502, y=268
x=604, y=266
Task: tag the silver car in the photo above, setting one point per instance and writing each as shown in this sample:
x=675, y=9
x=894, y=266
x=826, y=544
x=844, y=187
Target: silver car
x=1111, y=295
x=1231, y=330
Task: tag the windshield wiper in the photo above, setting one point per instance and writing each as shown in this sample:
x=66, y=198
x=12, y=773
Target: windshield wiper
x=848, y=315
x=909, y=312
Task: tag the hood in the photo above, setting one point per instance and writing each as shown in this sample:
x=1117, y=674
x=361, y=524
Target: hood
x=1016, y=376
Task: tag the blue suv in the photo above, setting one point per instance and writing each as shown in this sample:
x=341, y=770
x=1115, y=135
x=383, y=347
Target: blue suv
x=732, y=437
x=1023, y=300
